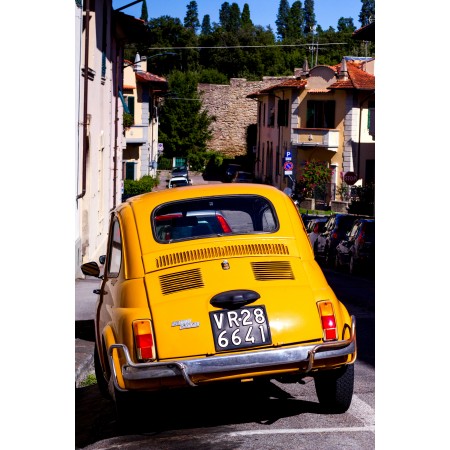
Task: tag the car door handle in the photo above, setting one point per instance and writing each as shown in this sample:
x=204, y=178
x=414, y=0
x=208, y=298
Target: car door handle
x=99, y=291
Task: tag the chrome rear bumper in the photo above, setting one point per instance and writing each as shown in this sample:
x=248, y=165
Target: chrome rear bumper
x=254, y=361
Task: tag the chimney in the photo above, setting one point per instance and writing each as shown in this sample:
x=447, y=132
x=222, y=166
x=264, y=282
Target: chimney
x=137, y=63
x=343, y=73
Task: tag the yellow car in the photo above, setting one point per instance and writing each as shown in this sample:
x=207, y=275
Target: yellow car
x=217, y=283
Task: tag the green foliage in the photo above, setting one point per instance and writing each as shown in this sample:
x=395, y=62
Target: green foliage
x=164, y=163
x=128, y=120
x=191, y=18
x=212, y=76
x=185, y=127
x=89, y=380
x=313, y=181
x=144, y=11
x=367, y=12
x=136, y=187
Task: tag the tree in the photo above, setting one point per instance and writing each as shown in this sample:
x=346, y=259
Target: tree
x=206, y=25
x=309, y=15
x=224, y=15
x=144, y=11
x=295, y=22
x=185, y=127
x=235, y=18
x=282, y=21
x=367, y=12
x=245, y=16
x=346, y=25
x=191, y=19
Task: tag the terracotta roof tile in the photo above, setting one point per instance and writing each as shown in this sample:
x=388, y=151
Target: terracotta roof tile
x=357, y=78
x=147, y=76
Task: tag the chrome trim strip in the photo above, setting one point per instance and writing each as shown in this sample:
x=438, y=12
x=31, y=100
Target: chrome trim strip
x=225, y=363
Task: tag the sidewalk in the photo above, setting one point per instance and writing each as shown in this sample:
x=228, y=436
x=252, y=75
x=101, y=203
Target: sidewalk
x=85, y=301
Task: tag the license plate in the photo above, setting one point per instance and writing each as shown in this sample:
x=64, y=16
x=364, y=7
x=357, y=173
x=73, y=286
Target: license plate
x=240, y=328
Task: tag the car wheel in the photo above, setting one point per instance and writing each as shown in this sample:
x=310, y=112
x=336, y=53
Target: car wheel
x=334, y=388
x=101, y=382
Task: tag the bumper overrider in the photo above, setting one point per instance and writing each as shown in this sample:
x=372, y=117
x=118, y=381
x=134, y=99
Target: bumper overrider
x=255, y=360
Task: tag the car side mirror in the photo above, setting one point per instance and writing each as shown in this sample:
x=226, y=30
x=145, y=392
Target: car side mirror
x=91, y=269
x=102, y=259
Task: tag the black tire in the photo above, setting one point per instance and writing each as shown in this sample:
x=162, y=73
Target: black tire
x=101, y=382
x=133, y=413
x=334, y=388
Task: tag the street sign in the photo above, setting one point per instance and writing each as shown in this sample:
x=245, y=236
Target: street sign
x=287, y=155
x=160, y=147
x=350, y=178
x=288, y=165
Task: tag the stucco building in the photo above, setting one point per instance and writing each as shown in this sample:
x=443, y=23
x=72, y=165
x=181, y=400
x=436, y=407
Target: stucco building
x=323, y=114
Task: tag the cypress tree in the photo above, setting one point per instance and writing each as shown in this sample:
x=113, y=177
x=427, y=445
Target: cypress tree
x=309, y=15
x=191, y=19
x=144, y=12
x=282, y=21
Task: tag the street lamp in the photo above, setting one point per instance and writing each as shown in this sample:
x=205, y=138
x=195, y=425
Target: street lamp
x=138, y=59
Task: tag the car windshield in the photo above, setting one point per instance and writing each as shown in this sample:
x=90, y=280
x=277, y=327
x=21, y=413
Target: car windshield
x=218, y=216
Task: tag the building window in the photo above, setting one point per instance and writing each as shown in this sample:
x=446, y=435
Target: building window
x=283, y=111
x=129, y=170
x=320, y=114
x=371, y=107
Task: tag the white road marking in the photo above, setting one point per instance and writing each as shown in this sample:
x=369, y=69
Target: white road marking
x=300, y=431
x=362, y=411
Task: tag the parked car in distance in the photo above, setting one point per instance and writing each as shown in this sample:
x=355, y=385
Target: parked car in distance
x=334, y=231
x=178, y=182
x=307, y=218
x=181, y=171
x=179, y=307
x=357, y=251
x=242, y=177
x=230, y=171
x=314, y=228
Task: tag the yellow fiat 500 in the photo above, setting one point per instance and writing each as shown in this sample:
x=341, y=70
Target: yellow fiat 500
x=212, y=284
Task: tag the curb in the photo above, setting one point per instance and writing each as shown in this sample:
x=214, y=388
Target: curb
x=84, y=360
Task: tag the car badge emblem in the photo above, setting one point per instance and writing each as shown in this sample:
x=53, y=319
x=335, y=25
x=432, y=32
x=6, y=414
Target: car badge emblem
x=185, y=324
x=225, y=264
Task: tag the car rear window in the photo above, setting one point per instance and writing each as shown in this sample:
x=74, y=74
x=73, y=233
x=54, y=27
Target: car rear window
x=218, y=216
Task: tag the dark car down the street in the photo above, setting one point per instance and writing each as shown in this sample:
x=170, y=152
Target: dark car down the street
x=357, y=251
x=334, y=231
x=230, y=172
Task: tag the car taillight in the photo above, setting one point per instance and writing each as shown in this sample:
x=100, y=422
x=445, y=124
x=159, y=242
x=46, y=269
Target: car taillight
x=223, y=223
x=334, y=235
x=328, y=320
x=143, y=339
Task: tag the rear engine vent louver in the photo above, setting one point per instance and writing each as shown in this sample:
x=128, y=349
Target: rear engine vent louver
x=181, y=281
x=273, y=270
x=228, y=251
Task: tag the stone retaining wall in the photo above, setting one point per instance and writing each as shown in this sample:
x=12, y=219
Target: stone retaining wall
x=233, y=111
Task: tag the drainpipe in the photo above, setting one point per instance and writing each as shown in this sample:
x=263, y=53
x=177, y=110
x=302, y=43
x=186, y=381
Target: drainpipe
x=85, y=100
x=116, y=127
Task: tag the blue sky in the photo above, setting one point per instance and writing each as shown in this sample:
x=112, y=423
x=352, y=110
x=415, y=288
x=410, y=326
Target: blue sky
x=262, y=12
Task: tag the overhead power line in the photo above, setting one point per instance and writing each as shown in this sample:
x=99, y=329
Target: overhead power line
x=247, y=46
